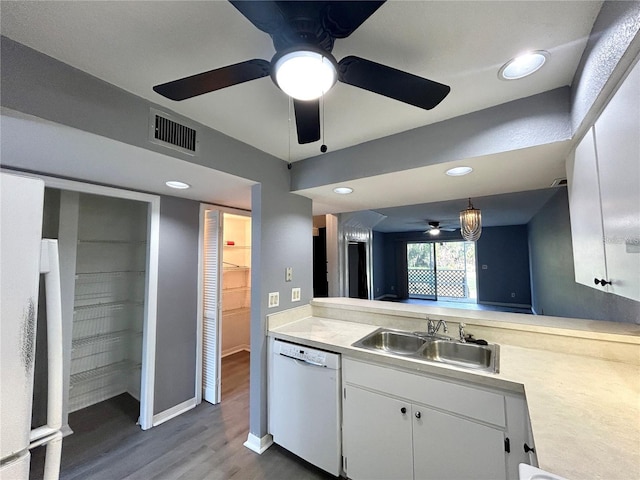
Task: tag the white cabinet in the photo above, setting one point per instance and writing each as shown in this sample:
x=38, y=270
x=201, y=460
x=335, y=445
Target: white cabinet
x=448, y=447
x=604, y=196
x=406, y=426
x=586, y=220
x=377, y=436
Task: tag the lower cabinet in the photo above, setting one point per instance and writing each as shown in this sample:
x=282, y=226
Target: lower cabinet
x=402, y=425
x=377, y=436
x=449, y=447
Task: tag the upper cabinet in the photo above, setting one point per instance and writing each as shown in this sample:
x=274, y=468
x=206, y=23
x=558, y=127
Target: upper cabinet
x=604, y=196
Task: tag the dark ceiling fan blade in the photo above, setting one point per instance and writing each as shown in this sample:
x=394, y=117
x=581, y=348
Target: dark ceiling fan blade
x=392, y=83
x=307, y=120
x=266, y=15
x=214, y=79
x=342, y=18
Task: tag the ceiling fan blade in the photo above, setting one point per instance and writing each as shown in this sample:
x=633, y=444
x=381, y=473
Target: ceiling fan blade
x=342, y=18
x=307, y=120
x=265, y=15
x=214, y=79
x=392, y=83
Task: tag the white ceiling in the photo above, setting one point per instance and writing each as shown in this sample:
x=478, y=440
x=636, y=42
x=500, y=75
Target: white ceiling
x=138, y=44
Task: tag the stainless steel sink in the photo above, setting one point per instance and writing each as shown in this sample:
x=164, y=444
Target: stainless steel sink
x=467, y=355
x=432, y=349
x=401, y=343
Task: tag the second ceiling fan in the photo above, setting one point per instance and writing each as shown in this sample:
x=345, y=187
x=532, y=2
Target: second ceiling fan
x=303, y=34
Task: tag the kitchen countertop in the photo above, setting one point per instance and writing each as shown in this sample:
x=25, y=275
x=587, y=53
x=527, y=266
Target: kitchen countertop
x=585, y=412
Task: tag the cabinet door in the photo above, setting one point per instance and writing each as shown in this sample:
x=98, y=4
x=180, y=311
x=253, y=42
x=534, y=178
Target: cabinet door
x=617, y=133
x=584, y=207
x=450, y=447
x=377, y=436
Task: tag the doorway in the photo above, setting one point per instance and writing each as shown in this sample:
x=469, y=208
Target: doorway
x=442, y=271
x=357, y=270
x=225, y=304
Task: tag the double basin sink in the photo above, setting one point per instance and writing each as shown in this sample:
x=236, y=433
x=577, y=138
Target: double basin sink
x=432, y=348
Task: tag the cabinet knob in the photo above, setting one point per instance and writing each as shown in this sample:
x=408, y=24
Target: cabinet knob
x=403, y=410
x=418, y=414
x=602, y=282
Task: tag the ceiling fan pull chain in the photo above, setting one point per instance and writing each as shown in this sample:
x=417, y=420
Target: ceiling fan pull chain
x=323, y=147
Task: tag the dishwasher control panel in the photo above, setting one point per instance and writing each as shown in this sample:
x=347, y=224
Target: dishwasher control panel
x=301, y=353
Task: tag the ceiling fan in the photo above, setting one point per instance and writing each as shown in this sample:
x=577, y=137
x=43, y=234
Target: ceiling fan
x=303, y=34
x=435, y=228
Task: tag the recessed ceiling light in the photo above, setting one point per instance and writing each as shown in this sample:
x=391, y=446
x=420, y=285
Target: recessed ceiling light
x=523, y=65
x=343, y=190
x=459, y=171
x=177, y=184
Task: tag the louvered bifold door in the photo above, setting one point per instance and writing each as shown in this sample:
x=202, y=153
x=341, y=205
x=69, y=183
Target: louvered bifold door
x=211, y=320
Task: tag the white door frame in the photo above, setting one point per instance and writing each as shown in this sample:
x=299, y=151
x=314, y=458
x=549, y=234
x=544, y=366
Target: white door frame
x=151, y=290
x=199, y=348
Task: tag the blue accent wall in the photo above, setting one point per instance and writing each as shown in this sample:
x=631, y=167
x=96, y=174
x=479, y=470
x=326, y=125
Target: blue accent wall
x=503, y=249
x=504, y=253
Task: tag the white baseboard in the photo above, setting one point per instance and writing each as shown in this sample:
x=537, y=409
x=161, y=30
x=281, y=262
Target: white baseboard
x=231, y=351
x=172, y=412
x=386, y=295
x=502, y=304
x=66, y=430
x=257, y=444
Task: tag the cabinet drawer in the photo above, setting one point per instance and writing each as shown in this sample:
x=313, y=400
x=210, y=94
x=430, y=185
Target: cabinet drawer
x=467, y=401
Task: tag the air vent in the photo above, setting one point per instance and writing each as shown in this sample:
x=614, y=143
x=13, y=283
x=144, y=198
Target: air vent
x=559, y=182
x=164, y=130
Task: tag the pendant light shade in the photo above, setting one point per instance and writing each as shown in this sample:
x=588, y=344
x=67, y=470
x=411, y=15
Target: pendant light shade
x=470, y=223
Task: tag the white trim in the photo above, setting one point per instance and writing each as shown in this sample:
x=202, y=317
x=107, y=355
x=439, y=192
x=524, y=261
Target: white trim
x=502, y=304
x=174, y=411
x=239, y=348
x=258, y=445
x=200, y=307
x=148, y=371
x=151, y=293
x=385, y=296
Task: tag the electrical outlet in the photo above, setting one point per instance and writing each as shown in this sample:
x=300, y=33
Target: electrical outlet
x=513, y=294
x=288, y=274
x=295, y=294
x=484, y=267
x=274, y=299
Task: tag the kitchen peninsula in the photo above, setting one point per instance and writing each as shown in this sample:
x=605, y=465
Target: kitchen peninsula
x=581, y=378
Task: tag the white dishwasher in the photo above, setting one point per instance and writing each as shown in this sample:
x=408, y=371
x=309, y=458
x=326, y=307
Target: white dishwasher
x=304, y=404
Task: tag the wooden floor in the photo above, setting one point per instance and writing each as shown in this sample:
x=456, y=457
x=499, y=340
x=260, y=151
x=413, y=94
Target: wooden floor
x=204, y=443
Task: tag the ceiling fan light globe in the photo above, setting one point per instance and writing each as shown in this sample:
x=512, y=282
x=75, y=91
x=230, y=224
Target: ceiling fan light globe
x=434, y=231
x=305, y=74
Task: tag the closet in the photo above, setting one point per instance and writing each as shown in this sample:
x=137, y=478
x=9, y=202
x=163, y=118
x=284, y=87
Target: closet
x=103, y=259
x=236, y=283
x=108, y=313
x=226, y=296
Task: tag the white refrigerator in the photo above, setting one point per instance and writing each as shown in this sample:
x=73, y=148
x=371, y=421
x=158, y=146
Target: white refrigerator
x=24, y=256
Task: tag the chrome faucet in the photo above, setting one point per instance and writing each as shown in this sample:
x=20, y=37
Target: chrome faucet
x=433, y=327
x=461, y=332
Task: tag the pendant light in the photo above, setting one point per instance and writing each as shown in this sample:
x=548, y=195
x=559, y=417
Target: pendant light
x=470, y=223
